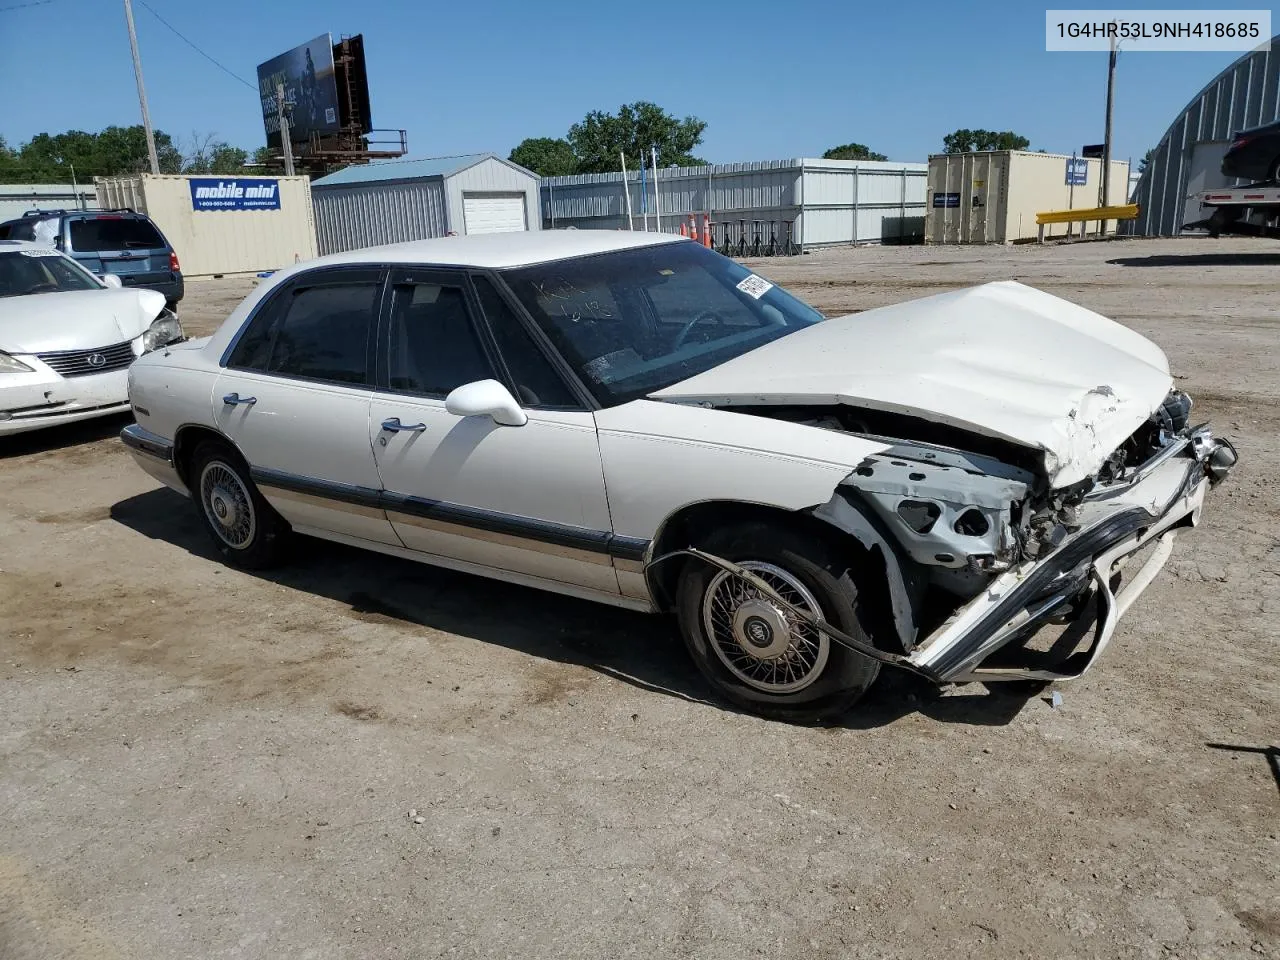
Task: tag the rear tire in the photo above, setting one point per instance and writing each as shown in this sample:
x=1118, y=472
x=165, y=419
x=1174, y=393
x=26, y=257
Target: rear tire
x=756, y=653
x=244, y=528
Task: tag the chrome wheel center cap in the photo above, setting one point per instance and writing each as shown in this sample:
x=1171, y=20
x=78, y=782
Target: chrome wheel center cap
x=761, y=629
x=224, y=506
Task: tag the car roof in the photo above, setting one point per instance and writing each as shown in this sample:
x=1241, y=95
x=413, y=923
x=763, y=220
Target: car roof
x=17, y=246
x=498, y=250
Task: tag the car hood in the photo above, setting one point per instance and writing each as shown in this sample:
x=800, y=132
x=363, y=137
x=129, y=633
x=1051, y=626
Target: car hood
x=75, y=320
x=1003, y=360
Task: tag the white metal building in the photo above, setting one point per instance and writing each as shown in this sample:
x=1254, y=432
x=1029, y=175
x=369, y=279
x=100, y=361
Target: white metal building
x=397, y=200
x=17, y=198
x=1188, y=159
x=822, y=202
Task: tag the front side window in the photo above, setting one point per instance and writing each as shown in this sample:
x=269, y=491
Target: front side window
x=433, y=346
x=635, y=321
x=536, y=381
x=313, y=332
x=25, y=272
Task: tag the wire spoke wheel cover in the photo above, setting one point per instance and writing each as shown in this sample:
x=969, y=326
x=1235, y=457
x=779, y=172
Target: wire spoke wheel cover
x=763, y=644
x=228, y=505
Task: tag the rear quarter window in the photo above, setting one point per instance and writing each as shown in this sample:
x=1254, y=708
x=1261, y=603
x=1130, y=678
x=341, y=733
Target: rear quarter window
x=126, y=233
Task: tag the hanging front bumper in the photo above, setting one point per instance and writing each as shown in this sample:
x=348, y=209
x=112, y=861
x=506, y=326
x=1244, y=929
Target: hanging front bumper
x=1116, y=525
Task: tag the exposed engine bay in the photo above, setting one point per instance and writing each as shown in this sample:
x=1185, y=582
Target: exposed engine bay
x=964, y=507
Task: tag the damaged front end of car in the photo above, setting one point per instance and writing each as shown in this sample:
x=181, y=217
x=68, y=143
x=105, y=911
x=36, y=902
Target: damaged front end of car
x=980, y=553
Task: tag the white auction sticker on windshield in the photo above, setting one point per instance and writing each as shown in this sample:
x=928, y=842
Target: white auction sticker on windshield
x=39, y=253
x=755, y=287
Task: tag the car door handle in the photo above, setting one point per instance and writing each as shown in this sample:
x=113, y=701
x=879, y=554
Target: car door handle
x=232, y=399
x=395, y=426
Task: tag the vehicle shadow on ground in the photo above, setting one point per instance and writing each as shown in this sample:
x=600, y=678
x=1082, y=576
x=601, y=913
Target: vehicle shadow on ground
x=1200, y=260
x=1272, y=755
x=639, y=649
x=51, y=439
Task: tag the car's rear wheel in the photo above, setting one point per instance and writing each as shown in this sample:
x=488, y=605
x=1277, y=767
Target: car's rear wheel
x=754, y=650
x=243, y=526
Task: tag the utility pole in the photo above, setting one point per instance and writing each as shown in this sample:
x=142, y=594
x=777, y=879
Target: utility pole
x=1106, y=139
x=286, y=141
x=142, y=90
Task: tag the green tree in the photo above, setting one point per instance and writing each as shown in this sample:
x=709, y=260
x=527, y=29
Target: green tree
x=545, y=157
x=116, y=150
x=1146, y=161
x=853, y=151
x=635, y=128
x=976, y=141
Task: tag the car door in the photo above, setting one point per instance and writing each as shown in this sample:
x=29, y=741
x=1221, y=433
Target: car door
x=294, y=398
x=528, y=499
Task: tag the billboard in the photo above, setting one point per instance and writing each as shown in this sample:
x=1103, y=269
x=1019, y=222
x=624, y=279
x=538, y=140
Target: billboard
x=310, y=90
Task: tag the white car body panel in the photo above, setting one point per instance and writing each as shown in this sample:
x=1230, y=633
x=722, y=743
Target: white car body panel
x=1001, y=359
x=547, y=470
x=75, y=319
x=318, y=431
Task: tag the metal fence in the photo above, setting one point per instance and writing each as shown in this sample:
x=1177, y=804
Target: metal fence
x=823, y=202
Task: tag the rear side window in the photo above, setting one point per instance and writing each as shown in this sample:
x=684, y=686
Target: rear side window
x=536, y=381
x=324, y=334
x=313, y=332
x=105, y=233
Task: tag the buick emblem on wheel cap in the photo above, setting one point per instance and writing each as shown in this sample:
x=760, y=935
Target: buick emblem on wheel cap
x=96, y=360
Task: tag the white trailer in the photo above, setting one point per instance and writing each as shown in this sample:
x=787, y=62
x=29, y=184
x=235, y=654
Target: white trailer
x=1254, y=209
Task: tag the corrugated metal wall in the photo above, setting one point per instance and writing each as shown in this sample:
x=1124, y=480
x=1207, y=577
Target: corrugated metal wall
x=1245, y=95
x=825, y=201
x=17, y=198
x=371, y=214
x=491, y=176
x=223, y=241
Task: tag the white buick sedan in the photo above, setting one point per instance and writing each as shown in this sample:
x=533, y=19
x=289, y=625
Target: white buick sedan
x=637, y=420
x=67, y=338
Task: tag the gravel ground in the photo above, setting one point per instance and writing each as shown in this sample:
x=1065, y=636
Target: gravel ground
x=199, y=762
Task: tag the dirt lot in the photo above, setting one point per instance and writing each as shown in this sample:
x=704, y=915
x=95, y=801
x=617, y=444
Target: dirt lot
x=196, y=762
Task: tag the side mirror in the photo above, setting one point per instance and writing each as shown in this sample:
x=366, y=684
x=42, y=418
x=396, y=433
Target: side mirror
x=486, y=398
x=111, y=280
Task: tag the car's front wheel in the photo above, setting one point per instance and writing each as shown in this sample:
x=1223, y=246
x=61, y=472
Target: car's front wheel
x=244, y=527
x=754, y=650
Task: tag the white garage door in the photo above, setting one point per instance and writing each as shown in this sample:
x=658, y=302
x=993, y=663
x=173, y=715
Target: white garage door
x=494, y=212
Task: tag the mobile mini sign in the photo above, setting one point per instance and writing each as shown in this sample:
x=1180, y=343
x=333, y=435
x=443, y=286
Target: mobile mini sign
x=230, y=193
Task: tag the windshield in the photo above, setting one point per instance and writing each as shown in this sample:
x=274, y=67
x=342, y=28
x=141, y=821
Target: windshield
x=24, y=272
x=636, y=321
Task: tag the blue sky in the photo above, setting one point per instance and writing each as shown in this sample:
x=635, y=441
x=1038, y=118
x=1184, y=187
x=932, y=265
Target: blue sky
x=772, y=80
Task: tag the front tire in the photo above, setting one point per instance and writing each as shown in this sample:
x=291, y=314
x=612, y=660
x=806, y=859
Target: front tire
x=244, y=528
x=760, y=655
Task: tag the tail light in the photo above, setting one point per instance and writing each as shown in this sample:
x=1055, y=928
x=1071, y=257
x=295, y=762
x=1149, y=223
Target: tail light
x=1239, y=142
x=174, y=266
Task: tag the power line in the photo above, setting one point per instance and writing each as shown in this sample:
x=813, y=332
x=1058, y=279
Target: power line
x=174, y=30
x=22, y=6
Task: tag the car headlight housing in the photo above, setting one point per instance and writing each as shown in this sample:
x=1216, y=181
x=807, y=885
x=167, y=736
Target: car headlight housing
x=10, y=364
x=164, y=330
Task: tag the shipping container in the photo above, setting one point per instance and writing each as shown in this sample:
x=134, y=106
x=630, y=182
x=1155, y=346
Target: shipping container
x=994, y=196
x=818, y=202
x=220, y=225
x=394, y=201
